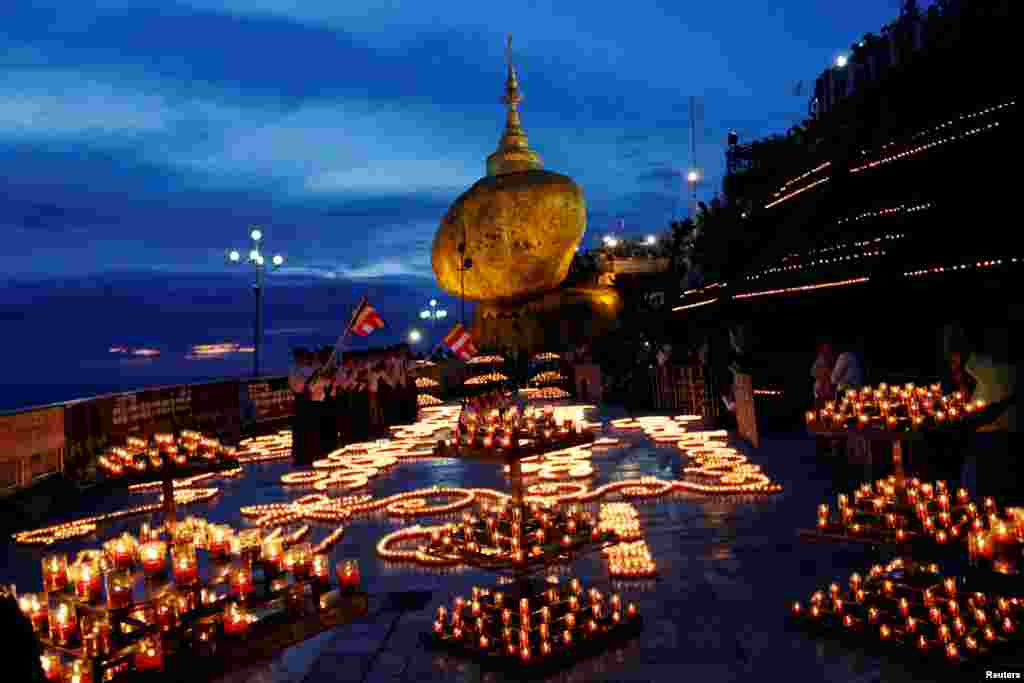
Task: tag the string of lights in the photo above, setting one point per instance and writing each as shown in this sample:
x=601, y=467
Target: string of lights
x=977, y=265
x=911, y=151
x=804, y=288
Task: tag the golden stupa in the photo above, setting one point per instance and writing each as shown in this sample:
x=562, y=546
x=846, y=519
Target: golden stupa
x=520, y=225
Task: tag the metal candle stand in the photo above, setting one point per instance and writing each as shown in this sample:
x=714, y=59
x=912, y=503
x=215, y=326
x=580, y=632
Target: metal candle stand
x=604, y=630
x=873, y=606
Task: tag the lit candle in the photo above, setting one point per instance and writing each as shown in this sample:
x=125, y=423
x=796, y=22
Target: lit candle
x=149, y=655
x=348, y=575
x=154, y=557
x=55, y=572
x=35, y=610
x=186, y=567
x=52, y=667
x=119, y=589
x=241, y=582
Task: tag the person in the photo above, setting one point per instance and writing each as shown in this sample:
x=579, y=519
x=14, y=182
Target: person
x=327, y=420
x=300, y=372
x=848, y=372
x=374, y=369
x=993, y=461
x=22, y=662
x=821, y=373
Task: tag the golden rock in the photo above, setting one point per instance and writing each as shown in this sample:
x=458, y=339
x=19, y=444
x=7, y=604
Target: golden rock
x=520, y=230
x=519, y=226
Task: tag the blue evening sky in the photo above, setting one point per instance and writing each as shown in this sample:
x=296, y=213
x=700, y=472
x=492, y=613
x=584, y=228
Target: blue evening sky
x=149, y=135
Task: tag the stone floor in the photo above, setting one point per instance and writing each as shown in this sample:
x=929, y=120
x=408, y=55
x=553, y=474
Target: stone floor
x=716, y=613
x=728, y=570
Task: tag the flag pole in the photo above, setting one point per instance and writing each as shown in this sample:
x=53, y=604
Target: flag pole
x=348, y=328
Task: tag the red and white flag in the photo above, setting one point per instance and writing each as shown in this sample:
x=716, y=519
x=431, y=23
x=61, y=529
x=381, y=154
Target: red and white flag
x=366, y=320
x=461, y=344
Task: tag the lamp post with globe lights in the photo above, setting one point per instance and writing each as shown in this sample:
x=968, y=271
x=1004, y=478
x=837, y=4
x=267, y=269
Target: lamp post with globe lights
x=432, y=314
x=692, y=178
x=258, y=260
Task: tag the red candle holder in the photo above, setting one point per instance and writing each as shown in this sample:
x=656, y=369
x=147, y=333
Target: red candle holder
x=120, y=585
x=79, y=672
x=154, y=557
x=236, y=620
x=53, y=668
x=55, y=572
x=241, y=582
x=348, y=575
x=63, y=621
x=149, y=655
x=35, y=609
x=87, y=579
x=186, y=567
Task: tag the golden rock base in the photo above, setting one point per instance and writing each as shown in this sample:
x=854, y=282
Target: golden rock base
x=559, y=319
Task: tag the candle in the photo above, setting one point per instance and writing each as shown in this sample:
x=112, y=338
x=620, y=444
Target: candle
x=236, y=620
x=241, y=582
x=87, y=581
x=220, y=541
x=79, y=672
x=167, y=612
x=348, y=575
x=52, y=667
x=55, y=572
x=154, y=557
x=63, y=621
x=149, y=655
x=186, y=567
x=119, y=589
x=321, y=568
x=35, y=610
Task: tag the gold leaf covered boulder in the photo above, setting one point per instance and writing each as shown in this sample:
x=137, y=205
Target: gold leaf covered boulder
x=520, y=225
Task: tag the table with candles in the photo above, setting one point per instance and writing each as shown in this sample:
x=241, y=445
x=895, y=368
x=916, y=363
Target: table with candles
x=959, y=617
x=127, y=608
x=526, y=622
x=892, y=413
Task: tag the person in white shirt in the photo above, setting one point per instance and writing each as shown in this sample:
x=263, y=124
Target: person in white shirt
x=847, y=374
x=849, y=371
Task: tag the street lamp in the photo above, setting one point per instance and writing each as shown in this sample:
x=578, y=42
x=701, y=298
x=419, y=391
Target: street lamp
x=651, y=240
x=433, y=314
x=841, y=61
x=692, y=177
x=258, y=262
x=415, y=336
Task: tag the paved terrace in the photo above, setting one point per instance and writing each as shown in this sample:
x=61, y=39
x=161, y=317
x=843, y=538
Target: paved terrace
x=729, y=568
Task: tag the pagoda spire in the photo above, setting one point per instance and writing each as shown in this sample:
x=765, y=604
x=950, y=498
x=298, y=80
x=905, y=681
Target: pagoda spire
x=513, y=154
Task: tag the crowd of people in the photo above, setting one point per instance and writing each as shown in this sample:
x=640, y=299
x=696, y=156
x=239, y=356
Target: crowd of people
x=349, y=399
x=479, y=407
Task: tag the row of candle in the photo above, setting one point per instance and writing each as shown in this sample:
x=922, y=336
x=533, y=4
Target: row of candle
x=501, y=535
x=895, y=511
x=140, y=454
x=631, y=558
x=892, y=604
x=554, y=622
x=891, y=407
